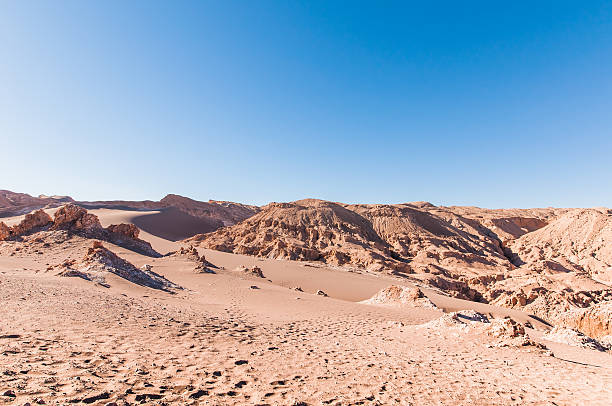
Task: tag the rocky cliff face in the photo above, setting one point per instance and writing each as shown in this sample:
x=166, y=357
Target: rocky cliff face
x=125, y=230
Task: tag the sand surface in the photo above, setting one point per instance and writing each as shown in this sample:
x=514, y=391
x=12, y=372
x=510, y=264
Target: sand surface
x=220, y=341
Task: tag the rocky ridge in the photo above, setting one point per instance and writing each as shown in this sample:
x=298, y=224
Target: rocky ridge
x=15, y=204
x=76, y=220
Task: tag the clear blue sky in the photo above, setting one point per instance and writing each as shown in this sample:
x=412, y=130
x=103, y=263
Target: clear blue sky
x=495, y=104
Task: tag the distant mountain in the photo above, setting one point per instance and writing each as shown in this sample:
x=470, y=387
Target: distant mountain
x=15, y=204
x=216, y=214
x=183, y=216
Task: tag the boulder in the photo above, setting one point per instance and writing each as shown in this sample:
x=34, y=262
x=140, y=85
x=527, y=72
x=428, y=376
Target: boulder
x=127, y=230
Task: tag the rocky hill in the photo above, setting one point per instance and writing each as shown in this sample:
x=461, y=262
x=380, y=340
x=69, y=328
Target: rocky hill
x=579, y=241
x=546, y=261
x=411, y=237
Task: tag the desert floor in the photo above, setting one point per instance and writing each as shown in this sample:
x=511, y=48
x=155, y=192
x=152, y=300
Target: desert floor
x=220, y=341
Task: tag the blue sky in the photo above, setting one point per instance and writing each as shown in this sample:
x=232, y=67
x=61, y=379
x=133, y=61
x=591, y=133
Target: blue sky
x=471, y=103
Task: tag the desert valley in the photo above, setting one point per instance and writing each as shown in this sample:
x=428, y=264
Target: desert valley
x=310, y=302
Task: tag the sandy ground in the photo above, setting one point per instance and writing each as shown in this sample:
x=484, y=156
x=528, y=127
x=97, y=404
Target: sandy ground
x=219, y=341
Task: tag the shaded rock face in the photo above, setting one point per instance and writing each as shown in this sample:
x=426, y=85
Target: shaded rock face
x=100, y=261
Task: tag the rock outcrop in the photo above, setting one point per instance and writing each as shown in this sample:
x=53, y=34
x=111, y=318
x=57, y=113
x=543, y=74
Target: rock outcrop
x=32, y=222
x=251, y=271
x=5, y=231
x=191, y=253
x=503, y=332
x=99, y=261
x=74, y=218
x=400, y=296
x=125, y=230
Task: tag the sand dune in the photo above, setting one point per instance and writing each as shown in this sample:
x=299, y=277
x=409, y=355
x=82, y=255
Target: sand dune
x=236, y=338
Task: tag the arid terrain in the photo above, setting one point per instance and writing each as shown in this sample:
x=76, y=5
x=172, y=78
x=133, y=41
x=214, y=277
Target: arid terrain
x=303, y=303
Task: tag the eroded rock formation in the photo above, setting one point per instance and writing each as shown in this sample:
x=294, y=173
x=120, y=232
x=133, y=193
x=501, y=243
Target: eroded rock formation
x=99, y=261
